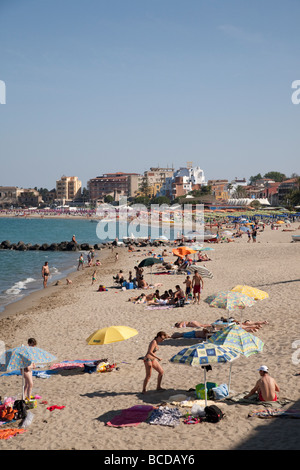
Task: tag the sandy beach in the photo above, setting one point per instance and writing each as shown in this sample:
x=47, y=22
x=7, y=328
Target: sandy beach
x=62, y=317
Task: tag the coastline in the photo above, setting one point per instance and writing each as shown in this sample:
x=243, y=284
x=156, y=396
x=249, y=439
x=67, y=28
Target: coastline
x=64, y=317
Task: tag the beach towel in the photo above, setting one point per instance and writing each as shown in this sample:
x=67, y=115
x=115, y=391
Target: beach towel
x=10, y=432
x=157, y=307
x=55, y=407
x=268, y=413
x=131, y=416
x=165, y=416
x=240, y=398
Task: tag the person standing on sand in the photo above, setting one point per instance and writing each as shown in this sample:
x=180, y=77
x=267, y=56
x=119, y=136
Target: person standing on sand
x=266, y=386
x=28, y=382
x=151, y=361
x=197, y=285
x=45, y=273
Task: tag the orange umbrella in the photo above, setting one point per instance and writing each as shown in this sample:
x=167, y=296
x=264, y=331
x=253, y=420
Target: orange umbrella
x=182, y=251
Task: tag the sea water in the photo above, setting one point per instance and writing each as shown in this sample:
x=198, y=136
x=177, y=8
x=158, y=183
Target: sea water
x=21, y=271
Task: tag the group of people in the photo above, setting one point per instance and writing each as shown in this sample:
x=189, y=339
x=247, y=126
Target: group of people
x=265, y=389
x=193, y=289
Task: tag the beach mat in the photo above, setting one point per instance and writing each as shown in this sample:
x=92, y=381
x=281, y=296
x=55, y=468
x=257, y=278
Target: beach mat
x=240, y=399
x=131, y=416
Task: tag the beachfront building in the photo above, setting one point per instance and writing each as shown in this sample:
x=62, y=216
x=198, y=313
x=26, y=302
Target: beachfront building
x=68, y=188
x=115, y=185
x=14, y=196
x=235, y=184
x=153, y=180
x=219, y=189
x=187, y=179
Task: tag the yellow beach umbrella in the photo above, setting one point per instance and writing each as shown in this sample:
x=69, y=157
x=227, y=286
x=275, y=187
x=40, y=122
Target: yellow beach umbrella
x=252, y=292
x=111, y=334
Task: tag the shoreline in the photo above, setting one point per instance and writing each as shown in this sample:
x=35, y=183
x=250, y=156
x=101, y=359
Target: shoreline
x=33, y=298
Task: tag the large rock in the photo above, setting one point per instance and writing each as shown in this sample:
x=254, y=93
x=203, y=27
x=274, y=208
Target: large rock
x=5, y=245
x=44, y=247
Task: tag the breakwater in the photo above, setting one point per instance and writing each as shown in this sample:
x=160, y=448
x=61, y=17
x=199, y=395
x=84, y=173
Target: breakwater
x=72, y=246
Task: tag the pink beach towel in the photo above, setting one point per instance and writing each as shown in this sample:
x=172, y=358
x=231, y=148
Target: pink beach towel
x=131, y=416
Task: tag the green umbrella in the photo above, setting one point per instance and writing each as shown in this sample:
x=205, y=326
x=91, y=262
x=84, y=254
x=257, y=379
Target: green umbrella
x=149, y=262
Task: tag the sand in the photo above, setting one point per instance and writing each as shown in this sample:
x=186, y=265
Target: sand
x=62, y=317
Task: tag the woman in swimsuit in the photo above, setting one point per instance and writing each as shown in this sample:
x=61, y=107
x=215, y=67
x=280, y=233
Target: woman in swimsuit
x=151, y=361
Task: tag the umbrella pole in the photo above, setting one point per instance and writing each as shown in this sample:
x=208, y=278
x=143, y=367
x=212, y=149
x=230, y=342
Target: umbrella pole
x=205, y=391
x=22, y=384
x=229, y=380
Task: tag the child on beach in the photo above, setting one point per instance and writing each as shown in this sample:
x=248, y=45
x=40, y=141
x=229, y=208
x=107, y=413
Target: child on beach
x=28, y=382
x=80, y=262
x=94, y=277
x=188, y=286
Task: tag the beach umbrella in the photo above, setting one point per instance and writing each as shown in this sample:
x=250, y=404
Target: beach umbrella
x=205, y=354
x=204, y=272
x=237, y=338
x=229, y=300
x=252, y=292
x=111, y=334
x=182, y=251
x=150, y=262
x=22, y=356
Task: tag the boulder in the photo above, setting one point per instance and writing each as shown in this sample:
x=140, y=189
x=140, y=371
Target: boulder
x=5, y=245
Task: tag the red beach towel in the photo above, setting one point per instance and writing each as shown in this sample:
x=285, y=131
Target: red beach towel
x=131, y=416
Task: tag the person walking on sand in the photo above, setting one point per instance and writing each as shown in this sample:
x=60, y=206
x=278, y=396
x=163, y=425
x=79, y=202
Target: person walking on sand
x=45, y=273
x=266, y=386
x=197, y=285
x=94, y=277
x=80, y=262
x=151, y=360
x=28, y=382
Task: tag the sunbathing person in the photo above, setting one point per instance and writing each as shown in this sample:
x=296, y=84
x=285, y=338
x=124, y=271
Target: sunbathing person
x=203, y=334
x=191, y=324
x=246, y=325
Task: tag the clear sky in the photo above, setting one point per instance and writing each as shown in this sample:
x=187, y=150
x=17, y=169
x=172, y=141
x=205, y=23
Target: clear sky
x=99, y=86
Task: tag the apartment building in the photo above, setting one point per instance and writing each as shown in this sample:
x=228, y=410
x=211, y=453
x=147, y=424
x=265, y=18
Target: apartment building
x=68, y=188
x=113, y=184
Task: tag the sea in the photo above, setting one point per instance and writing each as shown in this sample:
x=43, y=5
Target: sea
x=20, y=271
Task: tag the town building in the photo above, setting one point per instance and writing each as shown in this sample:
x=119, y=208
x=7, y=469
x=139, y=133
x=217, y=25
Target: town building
x=113, y=184
x=68, y=188
x=219, y=189
x=14, y=196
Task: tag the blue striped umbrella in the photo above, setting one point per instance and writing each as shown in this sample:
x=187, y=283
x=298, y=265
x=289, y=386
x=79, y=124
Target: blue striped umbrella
x=237, y=338
x=203, y=354
x=21, y=357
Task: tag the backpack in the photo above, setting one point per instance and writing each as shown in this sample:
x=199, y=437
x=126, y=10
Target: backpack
x=213, y=414
x=20, y=407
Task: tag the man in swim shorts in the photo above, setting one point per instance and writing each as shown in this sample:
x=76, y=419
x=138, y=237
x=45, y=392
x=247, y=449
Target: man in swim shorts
x=45, y=273
x=197, y=285
x=266, y=386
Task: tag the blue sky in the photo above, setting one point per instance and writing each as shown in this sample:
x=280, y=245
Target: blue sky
x=100, y=86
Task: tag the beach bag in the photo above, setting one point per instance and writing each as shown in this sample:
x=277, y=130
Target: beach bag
x=220, y=392
x=20, y=407
x=200, y=390
x=213, y=414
